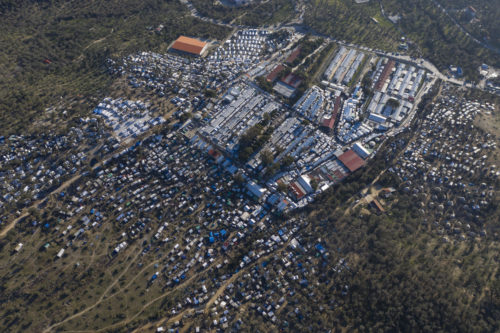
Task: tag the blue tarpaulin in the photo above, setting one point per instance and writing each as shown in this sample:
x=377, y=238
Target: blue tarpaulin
x=319, y=247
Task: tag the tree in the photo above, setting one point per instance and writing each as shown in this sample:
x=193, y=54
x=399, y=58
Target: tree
x=267, y=118
x=271, y=169
x=210, y=93
x=286, y=161
x=314, y=184
x=245, y=154
x=185, y=116
x=393, y=103
x=264, y=84
x=282, y=187
x=266, y=156
x=366, y=83
x=238, y=178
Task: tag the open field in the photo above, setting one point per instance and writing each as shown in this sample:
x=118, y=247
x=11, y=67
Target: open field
x=490, y=122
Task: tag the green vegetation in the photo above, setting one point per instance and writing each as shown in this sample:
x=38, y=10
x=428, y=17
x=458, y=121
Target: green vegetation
x=310, y=71
x=438, y=38
x=346, y=20
x=271, y=170
x=307, y=46
x=314, y=184
x=185, y=116
x=286, y=161
x=314, y=66
x=58, y=49
x=269, y=12
x=210, y=93
x=264, y=84
x=366, y=83
x=393, y=103
x=430, y=32
x=402, y=279
x=279, y=35
x=397, y=276
x=485, y=26
x=282, y=187
x=253, y=140
x=267, y=157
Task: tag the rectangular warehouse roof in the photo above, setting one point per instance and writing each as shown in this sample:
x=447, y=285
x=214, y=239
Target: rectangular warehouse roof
x=330, y=122
x=189, y=45
x=275, y=72
x=351, y=160
x=291, y=58
x=292, y=80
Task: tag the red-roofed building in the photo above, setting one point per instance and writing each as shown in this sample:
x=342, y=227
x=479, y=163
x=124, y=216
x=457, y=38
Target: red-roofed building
x=385, y=74
x=189, y=45
x=297, y=191
x=292, y=80
x=329, y=123
x=351, y=160
x=291, y=58
x=274, y=73
x=217, y=156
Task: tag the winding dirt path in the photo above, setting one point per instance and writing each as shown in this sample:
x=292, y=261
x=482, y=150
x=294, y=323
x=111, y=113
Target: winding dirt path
x=103, y=296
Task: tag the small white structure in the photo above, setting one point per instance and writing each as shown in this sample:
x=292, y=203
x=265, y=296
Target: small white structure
x=255, y=189
x=19, y=247
x=360, y=150
x=377, y=118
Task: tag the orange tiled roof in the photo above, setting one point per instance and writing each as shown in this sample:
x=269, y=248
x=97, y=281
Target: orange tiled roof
x=189, y=45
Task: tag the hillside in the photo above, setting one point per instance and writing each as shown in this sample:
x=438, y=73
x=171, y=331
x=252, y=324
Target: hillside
x=483, y=24
x=430, y=33
x=265, y=175
x=54, y=49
